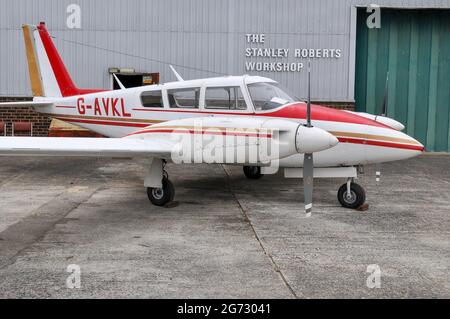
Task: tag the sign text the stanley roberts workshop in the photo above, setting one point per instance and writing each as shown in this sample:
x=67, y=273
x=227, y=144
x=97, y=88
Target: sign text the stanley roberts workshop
x=282, y=53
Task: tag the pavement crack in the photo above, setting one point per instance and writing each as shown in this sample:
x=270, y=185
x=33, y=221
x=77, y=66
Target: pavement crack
x=32, y=229
x=275, y=266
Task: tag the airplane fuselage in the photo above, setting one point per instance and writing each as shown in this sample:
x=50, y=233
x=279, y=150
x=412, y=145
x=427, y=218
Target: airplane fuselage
x=120, y=113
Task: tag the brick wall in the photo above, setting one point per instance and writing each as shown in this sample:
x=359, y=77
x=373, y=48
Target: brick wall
x=339, y=105
x=41, y=123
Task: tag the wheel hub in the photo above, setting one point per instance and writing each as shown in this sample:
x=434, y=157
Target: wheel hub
x=157, y=193
x=350, y=198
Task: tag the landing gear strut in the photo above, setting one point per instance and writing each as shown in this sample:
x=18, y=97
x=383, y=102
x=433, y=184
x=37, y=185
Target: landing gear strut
x=351, y=195
x=252, y=172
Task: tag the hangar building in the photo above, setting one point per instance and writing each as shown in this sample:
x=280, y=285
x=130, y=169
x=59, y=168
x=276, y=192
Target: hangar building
x=351, y=49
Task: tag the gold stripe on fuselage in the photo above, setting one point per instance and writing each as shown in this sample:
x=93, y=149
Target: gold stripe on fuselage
x=194, y=128
x=375, y=137
x=98, y=118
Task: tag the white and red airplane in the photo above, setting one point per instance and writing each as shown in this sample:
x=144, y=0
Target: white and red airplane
x=204, y=121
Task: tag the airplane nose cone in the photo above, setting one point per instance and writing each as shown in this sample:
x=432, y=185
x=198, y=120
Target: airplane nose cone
x=421, y=146
x=416, y=147
x=386, y=145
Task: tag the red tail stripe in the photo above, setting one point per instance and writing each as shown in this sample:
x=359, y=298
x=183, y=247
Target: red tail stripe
x=65, y=83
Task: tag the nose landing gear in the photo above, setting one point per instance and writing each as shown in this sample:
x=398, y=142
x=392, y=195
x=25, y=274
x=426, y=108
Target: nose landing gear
x=351, y=195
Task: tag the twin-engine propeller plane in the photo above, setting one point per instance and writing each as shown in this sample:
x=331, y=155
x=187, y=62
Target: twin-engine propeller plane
x=242, y=120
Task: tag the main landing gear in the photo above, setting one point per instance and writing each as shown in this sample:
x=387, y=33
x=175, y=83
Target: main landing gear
x=252, y=172
x=160, y=190
x=160, y=196
x=351, y=195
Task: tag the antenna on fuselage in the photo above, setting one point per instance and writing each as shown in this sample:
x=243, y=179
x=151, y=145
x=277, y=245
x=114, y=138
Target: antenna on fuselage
x=179, y=78
x=386, y=96
x=384, y=110
x=122, y=87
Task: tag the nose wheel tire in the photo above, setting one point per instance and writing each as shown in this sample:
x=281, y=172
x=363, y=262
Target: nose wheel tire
x=355, y=199
x=161, y=196
x=252, y=172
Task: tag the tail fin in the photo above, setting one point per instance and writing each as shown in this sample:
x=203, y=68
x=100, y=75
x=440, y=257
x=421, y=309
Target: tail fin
x=48, y=74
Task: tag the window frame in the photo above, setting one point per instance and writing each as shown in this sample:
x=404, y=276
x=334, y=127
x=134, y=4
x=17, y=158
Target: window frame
x=240, y=87
x=200, y=96
x=163, y=101
x=247, y=85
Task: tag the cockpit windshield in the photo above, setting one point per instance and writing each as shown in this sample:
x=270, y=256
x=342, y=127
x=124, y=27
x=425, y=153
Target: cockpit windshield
x=267, y=96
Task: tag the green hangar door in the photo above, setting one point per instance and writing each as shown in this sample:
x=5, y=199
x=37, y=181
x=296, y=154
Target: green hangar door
x=414, y=45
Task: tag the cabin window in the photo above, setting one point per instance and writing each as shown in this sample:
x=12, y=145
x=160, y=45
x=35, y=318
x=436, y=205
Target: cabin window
x=267, y=96
x=225, y=98
x=152, y=99
x=184, y=98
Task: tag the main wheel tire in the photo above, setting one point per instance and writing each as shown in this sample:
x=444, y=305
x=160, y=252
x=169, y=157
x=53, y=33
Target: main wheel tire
x=357, y=196
x=252, y=172
x=161, y=196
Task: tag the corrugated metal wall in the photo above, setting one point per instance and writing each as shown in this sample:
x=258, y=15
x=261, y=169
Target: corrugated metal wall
x=202, y=34
x=414, y=45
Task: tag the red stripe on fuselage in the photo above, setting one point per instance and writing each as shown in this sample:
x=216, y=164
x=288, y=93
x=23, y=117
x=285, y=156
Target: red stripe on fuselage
x=97, y=122
x=321, y=113
x=294, y=111
x=141, y=125
x=379, y=143
x=203, y=132
x=192, y=112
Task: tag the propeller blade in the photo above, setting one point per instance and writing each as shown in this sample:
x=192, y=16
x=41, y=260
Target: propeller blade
x=308, y=162
x=308, y=178
x=308, y=105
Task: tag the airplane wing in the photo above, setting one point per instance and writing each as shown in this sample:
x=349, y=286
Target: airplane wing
x=25, y=103
x=96, y=147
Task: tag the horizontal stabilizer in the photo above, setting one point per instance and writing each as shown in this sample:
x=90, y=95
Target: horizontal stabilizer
x=26, y=103
x=72, y=146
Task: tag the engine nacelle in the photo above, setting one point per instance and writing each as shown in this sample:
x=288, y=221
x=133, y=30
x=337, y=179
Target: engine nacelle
x=228, y=140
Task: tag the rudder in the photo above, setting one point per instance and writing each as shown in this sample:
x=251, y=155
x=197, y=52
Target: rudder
x=48, y=74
